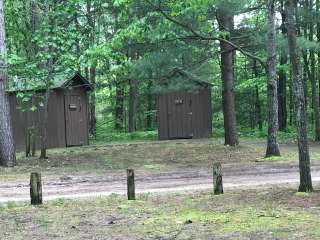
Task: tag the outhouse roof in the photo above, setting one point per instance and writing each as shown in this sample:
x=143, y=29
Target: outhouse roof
x=178, y=79
x=59, y=81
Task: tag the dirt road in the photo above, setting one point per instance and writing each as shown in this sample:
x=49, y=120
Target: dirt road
x=246, y=176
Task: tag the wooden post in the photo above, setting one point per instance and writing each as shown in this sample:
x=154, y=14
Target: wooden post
x=217, y=179
x=35, y=188
x=131, y=185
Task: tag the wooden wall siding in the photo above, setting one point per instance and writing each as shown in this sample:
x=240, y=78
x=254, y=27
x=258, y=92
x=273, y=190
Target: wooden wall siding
x=202, y=114
x=19, y=119
x=81, y=119
x=179, y=115
x=56, y=128
x=75, y=115
x=56, y=123
x=162, y=116
x=191, y=118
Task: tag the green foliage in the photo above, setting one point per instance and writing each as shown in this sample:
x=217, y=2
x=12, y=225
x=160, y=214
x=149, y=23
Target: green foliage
x=126, y=40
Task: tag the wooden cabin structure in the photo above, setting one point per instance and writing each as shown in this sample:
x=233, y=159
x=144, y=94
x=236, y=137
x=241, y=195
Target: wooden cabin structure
x=184, y=110
x=68, y=115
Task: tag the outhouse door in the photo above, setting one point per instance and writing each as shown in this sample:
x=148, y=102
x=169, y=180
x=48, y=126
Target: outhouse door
x=75, y=116
x=180, y=115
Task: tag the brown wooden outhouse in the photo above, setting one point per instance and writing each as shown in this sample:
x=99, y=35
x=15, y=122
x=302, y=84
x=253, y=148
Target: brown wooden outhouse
x=184, y=107
x=68, y=116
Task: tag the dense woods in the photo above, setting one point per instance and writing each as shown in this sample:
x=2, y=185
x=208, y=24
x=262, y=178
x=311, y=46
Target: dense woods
x=128, y=48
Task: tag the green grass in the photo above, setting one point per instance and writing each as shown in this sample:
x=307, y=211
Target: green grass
x=260, y=214
x=148, y=157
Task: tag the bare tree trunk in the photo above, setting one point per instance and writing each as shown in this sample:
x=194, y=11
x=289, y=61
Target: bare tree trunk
x=93, y=119
x=282, y=82
x=314, y=85
x=227, y=75
x=44, y=123
x=282, y=93
x=92, y=71
x=258, y=108
x=299, y=101
x=48, y=81
x=272, y=144
x=133, y=98
x=30, y=130
x=318, y=52
x=7, y=148
x=258, y=114
x=119, y=108
x=149, y=106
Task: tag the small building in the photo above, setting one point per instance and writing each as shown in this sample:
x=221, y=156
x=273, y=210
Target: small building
x=184, y=107
x=68, y=115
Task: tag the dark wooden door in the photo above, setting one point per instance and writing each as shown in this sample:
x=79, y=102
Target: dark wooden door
x=180, y=115
x=75, y=120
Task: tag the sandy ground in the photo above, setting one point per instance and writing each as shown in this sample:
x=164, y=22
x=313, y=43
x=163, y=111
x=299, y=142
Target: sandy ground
x=236, y=176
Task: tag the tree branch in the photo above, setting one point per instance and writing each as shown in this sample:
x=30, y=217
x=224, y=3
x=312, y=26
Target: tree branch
x=202, y=37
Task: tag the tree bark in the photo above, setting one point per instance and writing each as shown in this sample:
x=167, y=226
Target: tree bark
x=282, y=93
x=92, y=71
x=35, y=188
x=227, y=76
x=217, y=179
x=258, y=108
x=282, y=82
x=44, y=124
x=93, y=119
x=119, y=106
x=33, y=48
x=133, y=95
x=149, y=106
x=272, y=143
x=7, y=148
x=299, y=100
x=131, y=190
x=318, y=52
x=314, y=85
x=258, y=114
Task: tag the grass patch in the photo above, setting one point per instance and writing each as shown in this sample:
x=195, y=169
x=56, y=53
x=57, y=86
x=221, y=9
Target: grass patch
x=152, y=156
x=264, y=214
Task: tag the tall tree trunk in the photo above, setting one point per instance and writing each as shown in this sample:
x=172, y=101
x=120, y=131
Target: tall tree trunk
x=93, y=119
x=258, y=108
x=291, y=107
x=44, y=124
x=33, y=48
x=133, y=95
x=119, y=106
x=227, y=75
x=92, y=70
x=299, y=100
x=149, y=105
x=272, y=144
x=48, y=81
x=313, y=80
x=133, y=102
x=282, y=93
x=258, y=114
x=282, y=82
x=7, y=148
x=318, y=39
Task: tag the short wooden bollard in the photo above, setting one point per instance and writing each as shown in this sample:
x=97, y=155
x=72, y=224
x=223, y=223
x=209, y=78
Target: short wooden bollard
x=130, y=185
x=35, y=188
x=217, y=179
